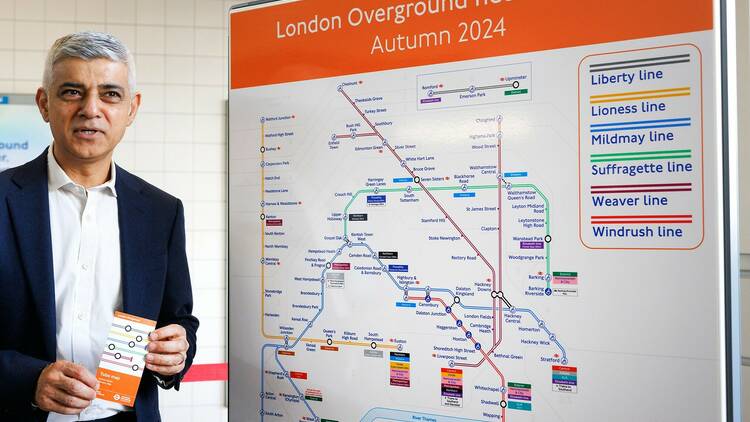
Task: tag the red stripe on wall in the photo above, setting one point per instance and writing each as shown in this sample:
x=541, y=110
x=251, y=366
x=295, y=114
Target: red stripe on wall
x=207, y=372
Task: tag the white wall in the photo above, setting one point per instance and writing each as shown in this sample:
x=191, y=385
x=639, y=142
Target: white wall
x=177, y=142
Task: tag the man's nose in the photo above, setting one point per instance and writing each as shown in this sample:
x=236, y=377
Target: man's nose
x=90, y=106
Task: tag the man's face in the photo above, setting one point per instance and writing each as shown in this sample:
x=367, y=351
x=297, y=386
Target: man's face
x=88, y=106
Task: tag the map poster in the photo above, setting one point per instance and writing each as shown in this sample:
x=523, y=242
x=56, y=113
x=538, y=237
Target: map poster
x=436, y=205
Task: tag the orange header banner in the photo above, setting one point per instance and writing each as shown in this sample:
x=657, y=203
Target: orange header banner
x=308, y=39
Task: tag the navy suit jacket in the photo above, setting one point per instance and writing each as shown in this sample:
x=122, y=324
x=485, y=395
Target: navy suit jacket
x=155, y=280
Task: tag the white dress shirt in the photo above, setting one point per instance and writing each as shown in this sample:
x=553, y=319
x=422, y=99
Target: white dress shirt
x=86, y=258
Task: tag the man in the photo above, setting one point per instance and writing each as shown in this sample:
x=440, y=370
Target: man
x=81, y=238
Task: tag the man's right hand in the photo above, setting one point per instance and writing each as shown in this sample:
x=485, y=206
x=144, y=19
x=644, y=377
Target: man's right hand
x=65, y=387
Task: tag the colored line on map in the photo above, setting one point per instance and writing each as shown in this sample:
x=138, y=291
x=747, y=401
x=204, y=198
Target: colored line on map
x=642, y=219
x=641, y=122
x=602, y=217
x=353, y=135
x=640, y=95
x=610, y=222
x=497, y=325
x=262, y=229
x=629, y=64
x=469, y=187
x=640, y=185
x=333, y=342
x=661, y=157
x=644, y=187
x=629, y=154
x=131, y=329
x=645, y=60
x=413, y=189
x=641, y=156
x=622, y=128
x=640, y=65
x=114, y=355
x=475, y=88
x=644, y=190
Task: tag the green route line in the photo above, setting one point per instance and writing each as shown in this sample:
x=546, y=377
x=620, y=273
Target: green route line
x=622, y=154
x=453, y=188
x=546, y=220
x=609, y=160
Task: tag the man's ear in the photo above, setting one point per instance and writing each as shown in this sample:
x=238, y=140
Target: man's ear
x=135, y=103
x=42, y=101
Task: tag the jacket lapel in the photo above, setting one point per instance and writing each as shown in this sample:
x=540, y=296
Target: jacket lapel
x=29, y=213
x=131, y=208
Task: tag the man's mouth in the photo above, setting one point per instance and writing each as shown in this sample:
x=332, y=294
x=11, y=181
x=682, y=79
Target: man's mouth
x=86, y=133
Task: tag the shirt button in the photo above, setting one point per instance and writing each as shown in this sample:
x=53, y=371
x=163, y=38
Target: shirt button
x=81, y=316
x=84, y=267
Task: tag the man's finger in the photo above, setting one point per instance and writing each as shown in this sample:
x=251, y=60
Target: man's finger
x=172, y=359
x=172, y=330
x=62, y=399
x=174, y=346
x=81, y=374
x=49, y=405
x=76, y=388
x=165, y=370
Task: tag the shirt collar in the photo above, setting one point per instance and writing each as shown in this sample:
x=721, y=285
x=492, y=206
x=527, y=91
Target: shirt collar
x=57, y=178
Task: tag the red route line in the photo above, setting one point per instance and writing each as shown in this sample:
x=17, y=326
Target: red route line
x=642, y=190
x=434, y=200
x=644, y=222
x=642, y=216
x=643, y=185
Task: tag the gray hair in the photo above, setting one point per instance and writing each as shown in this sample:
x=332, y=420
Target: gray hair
x=88, y=46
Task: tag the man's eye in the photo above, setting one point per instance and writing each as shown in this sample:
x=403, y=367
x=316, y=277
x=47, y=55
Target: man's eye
x=71, y=92
x=112, y=95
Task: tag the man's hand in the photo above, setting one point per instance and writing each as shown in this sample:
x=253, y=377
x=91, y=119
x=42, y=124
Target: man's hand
x=167, y=350
x=65, y=387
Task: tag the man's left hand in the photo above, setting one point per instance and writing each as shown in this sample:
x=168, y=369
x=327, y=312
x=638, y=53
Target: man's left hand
x=167, y=350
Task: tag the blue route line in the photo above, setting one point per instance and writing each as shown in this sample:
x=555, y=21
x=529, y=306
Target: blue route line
x=619, y=129
x=640, y=122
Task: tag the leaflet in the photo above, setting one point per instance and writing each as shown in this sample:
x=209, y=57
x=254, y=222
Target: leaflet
x=123, y=360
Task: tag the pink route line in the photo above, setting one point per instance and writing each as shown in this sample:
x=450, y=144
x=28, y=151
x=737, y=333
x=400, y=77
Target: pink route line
x=463, y=235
